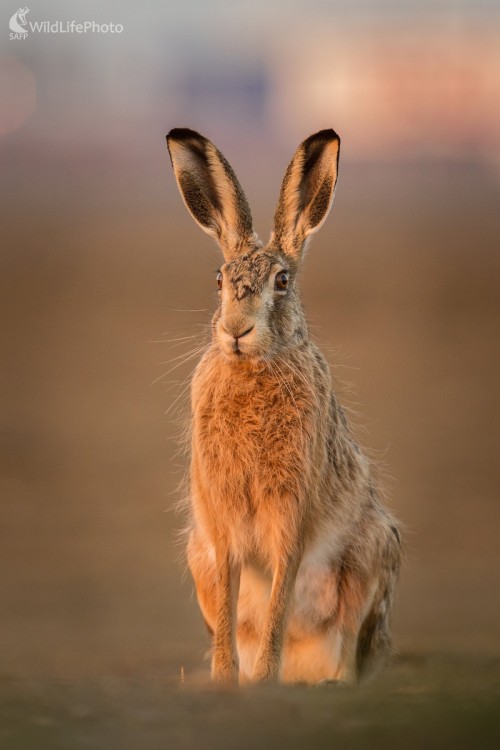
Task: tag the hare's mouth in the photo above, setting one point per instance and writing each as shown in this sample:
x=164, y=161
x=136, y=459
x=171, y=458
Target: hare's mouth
x=234, y=350
x=237, y=355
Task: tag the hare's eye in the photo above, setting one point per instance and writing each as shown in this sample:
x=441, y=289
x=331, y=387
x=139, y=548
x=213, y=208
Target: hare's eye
x=281, y=281
x=219, y=280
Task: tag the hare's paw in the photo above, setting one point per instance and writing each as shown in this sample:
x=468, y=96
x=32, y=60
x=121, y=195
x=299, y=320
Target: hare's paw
x=225, y=670
x=266, y=670
x=331, y=683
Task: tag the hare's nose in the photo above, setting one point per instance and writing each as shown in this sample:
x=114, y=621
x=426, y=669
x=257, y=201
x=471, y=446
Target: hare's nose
x=236, y=331
x=240, y=335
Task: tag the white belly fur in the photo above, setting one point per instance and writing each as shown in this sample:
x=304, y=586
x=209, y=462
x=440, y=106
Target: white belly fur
x=312, y=651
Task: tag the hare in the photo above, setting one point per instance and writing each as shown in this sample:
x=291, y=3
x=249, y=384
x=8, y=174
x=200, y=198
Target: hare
x=293, y=557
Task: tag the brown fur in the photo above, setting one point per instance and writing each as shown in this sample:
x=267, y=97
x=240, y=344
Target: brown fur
x=293, y=557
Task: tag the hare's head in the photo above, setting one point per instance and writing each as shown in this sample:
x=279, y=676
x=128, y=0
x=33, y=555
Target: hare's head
x=259, y=312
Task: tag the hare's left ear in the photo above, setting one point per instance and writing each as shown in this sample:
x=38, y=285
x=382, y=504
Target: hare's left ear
x=307, y=191
x=211, y=191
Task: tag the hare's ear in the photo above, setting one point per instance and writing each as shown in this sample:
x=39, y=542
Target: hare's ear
x=307, y=191
x=210, y=190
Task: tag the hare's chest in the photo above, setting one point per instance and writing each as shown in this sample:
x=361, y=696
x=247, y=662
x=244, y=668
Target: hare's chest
x=251, y=463
x=252, y=435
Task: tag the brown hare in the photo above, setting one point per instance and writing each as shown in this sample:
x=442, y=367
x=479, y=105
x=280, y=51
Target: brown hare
x=294, y=559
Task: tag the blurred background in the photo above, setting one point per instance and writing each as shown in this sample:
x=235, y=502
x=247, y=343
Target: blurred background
x=103, y=274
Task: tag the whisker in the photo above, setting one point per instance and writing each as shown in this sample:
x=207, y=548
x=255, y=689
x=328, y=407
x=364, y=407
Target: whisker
x=179, y=364
x=184, y=354
x=175, y=346
x=301, y=377
x=194, y=310
x=289, y=390
x=168, y=341
x=188, y=384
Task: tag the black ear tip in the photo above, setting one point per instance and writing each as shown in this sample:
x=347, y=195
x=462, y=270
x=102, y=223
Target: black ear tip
x=183, y=134
x=326, y=136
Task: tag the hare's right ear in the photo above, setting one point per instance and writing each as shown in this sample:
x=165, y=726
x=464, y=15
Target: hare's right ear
x=210, y=190
x=307, y=192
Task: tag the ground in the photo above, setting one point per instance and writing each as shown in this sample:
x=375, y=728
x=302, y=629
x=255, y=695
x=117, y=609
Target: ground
x=421, y=701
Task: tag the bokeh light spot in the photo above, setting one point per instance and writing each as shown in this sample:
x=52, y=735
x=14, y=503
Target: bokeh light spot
x=17, y=94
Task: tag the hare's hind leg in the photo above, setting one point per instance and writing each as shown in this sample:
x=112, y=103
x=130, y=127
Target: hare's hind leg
x=374, y=644
x=365, y=613
x=312, y=657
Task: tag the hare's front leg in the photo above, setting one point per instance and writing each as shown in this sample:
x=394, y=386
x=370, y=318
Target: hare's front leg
x=268, y=662
x=225, y=664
